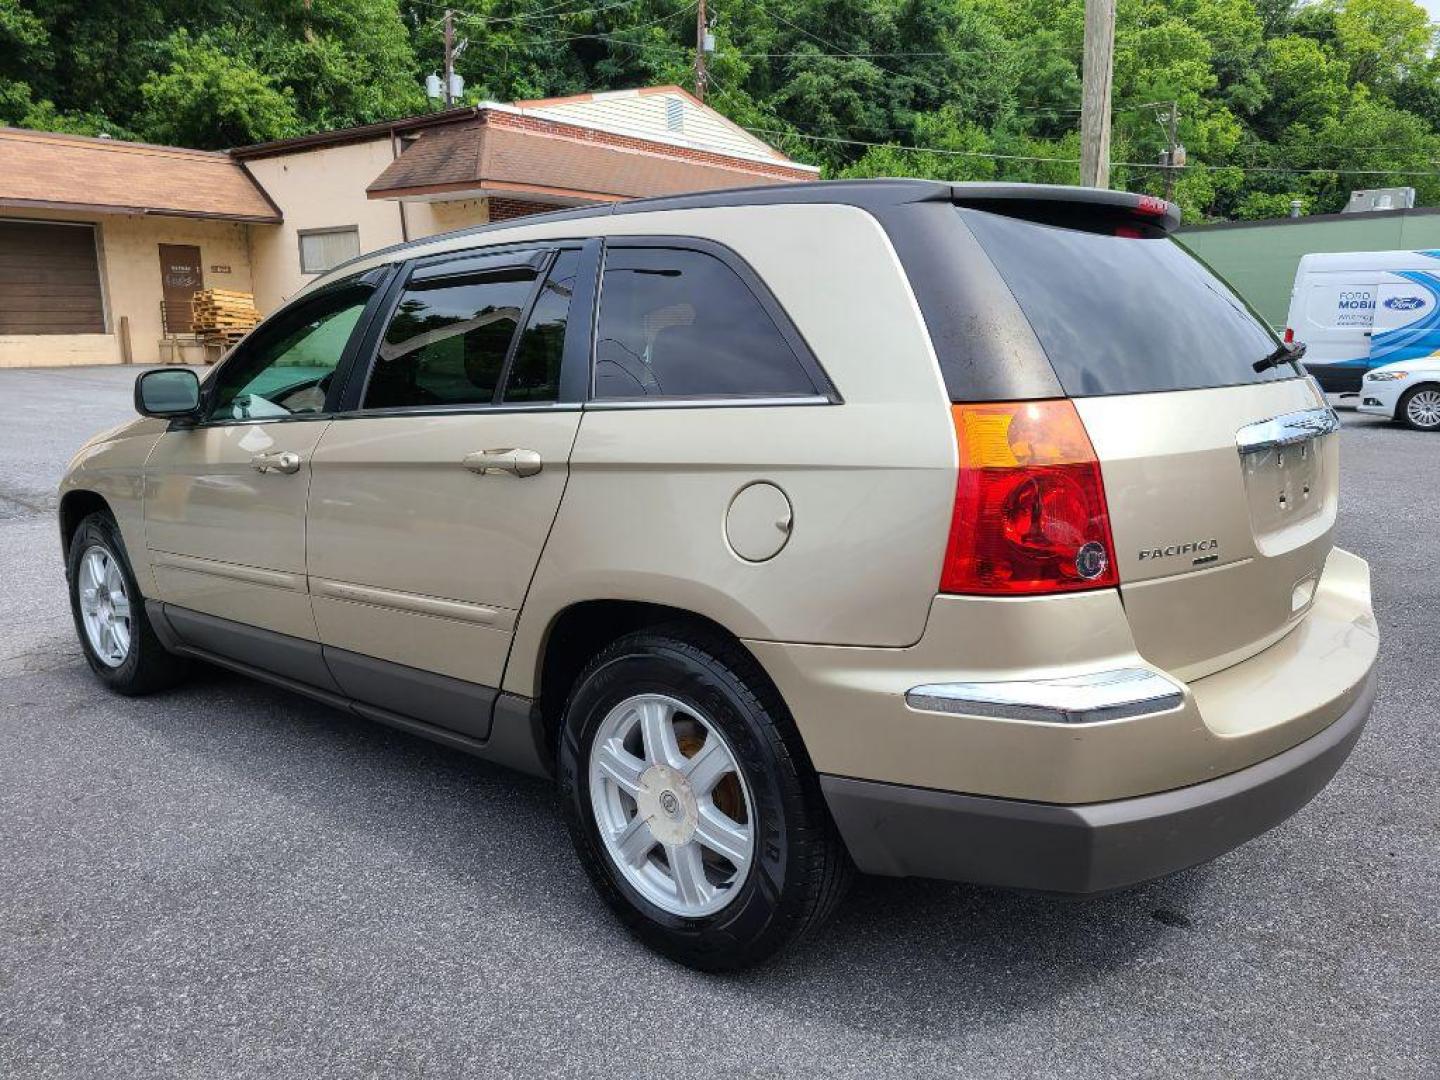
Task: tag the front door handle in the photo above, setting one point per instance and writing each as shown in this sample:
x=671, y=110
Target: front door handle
x=281, y=461
x=516, y=462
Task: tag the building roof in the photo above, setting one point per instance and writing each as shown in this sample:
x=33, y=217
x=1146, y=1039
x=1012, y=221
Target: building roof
x=668, y=113
x=46, y=170
x=382, y=129
x=509, y=150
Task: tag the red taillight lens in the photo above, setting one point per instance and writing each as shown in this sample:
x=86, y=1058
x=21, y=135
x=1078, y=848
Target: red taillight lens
x=1030, y=514
x=1289, y=336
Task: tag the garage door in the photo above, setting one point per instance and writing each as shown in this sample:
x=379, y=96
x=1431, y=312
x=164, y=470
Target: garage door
x=49, y=279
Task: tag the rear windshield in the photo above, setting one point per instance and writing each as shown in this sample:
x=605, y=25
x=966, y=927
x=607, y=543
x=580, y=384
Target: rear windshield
x=1125, y=315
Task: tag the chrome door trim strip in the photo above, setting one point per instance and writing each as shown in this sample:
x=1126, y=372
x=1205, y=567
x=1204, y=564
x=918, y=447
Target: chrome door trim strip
x=609, y=404
x=415, y=603
x=1287, y=429
x=251, y=575
x=1092, y=698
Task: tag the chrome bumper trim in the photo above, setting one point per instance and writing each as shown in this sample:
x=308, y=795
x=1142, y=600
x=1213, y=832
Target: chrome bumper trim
x=1075, y=699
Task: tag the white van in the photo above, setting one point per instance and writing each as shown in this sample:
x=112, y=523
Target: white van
x=1356, y=310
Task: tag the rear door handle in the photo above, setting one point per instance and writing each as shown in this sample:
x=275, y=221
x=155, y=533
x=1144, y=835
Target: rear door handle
x=516, y=462
x=281, y=461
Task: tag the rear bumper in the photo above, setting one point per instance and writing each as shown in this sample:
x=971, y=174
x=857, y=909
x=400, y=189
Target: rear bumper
x=1087, y=849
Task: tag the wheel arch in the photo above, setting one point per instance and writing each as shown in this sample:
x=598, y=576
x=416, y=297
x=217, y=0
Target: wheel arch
x=75, y=506
x=579, y=631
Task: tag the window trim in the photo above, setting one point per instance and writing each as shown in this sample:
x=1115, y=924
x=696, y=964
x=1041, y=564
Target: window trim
x=419, y=272
x=301, y=234
x=824, y=390
x=578, y=333
x=383, y=283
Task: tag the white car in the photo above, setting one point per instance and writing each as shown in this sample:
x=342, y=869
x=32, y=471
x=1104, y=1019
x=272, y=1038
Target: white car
x=1407, y=391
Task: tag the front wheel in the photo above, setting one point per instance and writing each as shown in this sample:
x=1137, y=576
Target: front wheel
x=1420, y=408
x=119, y=642
x=691, y=805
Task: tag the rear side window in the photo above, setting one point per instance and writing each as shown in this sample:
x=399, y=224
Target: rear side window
x=1124, y=314
x=681, y=324
x=448, y=340
x=535, y=370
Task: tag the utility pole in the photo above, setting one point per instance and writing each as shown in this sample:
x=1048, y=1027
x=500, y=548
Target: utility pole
x=1095, y=93
x=1172, y=150
x=449, y=57
x=700, y=30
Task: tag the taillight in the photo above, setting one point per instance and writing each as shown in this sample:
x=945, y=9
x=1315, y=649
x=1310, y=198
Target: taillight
x=1030, y=514
x=1289, y=336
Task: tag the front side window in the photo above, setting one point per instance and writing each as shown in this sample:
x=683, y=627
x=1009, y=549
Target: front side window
x=448, y=340
x=325, y=249
x=286, y=366
x=681, y=324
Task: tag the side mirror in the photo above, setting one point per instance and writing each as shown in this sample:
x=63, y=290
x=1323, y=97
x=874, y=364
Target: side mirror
x=168, y=394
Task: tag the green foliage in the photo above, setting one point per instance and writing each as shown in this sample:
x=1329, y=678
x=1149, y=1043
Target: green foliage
x=1259, y=204
x=207, y=94
x=1381, y=40
x=1278, y=99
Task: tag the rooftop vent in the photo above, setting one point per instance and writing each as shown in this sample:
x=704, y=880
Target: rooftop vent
x=1390, y=198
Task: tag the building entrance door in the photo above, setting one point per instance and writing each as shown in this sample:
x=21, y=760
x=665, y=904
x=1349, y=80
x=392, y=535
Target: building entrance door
x=181, y=277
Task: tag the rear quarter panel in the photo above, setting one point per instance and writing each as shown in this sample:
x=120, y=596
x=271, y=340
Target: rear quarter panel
x=870, y=481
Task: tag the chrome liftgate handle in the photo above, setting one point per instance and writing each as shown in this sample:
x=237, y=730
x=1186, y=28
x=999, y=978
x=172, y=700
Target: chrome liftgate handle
x=1286, y=430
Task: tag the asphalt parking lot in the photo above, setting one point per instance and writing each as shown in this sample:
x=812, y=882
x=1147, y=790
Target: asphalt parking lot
x=228, y=880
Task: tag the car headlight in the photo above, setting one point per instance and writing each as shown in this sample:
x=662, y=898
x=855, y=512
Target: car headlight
x=1385, y=376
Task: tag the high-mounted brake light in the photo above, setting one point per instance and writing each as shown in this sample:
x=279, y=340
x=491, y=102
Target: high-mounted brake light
x=1030, y=514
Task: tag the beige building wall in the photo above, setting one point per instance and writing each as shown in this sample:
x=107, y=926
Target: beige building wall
x=318, y=188
x=129, y=249
x=430, y=218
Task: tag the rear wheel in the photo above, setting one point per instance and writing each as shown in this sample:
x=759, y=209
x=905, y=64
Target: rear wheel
x=691, y=805
x=1420, y=408
x=119, y=643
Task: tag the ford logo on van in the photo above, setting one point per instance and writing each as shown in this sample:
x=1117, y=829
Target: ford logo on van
x=1404, y=303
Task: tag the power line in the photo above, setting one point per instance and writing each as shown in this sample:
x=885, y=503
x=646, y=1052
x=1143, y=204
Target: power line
x=1076, y=161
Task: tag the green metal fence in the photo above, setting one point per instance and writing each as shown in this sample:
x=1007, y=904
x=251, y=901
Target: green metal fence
x=1258, y=258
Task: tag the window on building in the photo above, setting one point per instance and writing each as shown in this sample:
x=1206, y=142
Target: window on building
x=448, y=340
x=682, y=324
x=325, y=249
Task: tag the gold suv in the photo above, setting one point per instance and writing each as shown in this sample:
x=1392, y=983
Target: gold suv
x=964, y=531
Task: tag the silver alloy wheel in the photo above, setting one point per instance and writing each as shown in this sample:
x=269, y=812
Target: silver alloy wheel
x=672, y=806
x=1423, y=408
x=104, y=605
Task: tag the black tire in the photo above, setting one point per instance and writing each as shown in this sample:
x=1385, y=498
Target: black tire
x=147, y=666
x=800, y=867
x=1402, y=410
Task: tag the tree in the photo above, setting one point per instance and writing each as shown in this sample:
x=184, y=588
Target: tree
x=1381, y=40
x=1278, y=99
x=208, y=98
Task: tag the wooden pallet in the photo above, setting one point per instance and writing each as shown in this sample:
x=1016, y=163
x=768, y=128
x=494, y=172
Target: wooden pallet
x=223, y=314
